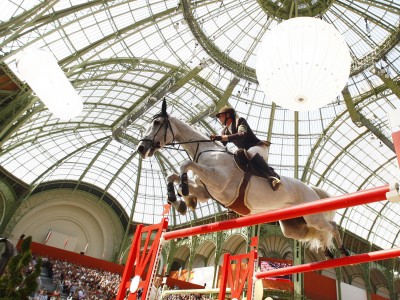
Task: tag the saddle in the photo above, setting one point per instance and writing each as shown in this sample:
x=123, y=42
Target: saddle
x=242, y=161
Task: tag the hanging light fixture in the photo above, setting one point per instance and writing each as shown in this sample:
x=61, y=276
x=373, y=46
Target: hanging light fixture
x=303, y=64
x=40, y=70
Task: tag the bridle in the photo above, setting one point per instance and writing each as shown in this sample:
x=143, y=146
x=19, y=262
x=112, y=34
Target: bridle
x=165, y=124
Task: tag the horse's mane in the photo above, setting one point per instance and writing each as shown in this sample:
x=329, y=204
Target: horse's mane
x=159, y=115
x=202, y=135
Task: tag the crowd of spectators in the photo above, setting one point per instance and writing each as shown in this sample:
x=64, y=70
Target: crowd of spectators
x=84, y=283
x=184, y=296
x=79, y=282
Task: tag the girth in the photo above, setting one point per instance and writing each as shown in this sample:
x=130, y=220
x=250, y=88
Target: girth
x=239, y=204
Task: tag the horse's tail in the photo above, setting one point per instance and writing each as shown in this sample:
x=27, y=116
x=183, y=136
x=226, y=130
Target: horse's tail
x=317, y=239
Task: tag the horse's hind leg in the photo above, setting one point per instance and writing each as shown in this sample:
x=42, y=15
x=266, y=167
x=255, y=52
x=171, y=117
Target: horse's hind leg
x=339, y=241
x=297, y=229
x=319, y=222
x=294, y=228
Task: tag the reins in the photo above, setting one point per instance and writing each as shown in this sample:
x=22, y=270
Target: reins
x=167, y=126
x=190, y=142
x=180, y=143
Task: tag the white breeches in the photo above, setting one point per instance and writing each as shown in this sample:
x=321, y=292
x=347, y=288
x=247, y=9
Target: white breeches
x=260, y=149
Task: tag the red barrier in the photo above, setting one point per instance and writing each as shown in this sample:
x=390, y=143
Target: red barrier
x=236, y=275
x=334, y=203
x=80, y=259
x=319, y=206
x=142, y=262
x=334, y=263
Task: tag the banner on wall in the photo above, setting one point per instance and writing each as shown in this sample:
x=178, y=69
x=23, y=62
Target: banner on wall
x=61, y=241
x=266, y=264
x=202, y=276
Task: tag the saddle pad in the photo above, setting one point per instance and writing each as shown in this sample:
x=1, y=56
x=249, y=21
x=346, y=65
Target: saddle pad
x=241, y=160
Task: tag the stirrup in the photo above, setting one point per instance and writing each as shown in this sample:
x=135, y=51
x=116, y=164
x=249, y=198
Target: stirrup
x=275, y=182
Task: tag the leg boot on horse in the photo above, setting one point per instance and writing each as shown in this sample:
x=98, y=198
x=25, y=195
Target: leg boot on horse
x=185, y=184
x=179, y=205
x=261, y=166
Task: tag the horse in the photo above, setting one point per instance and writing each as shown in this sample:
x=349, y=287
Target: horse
x=217, y=176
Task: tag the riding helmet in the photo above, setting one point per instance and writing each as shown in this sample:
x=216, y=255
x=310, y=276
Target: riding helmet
x=226, y=110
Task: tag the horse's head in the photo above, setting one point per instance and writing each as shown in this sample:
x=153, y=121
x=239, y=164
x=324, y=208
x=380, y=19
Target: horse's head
x=157, y=135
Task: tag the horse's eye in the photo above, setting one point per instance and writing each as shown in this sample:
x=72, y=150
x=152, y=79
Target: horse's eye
x=156, y=122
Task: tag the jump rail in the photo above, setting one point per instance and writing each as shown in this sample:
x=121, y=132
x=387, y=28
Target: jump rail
x=333, y=203
x=194, y=291
x=363, y=197
x=333, y=263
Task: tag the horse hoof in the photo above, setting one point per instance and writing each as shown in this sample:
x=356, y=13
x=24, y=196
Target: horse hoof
x=329, y=254
x=184, y=184
x=192, y=203
x=344, y=251
x=182, y=208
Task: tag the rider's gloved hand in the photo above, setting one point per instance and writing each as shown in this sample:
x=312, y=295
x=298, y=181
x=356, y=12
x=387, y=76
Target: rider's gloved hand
x=214, y=137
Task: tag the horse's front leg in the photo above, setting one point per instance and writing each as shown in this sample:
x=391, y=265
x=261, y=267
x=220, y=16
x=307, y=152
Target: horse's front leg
x=198, y=193
x=179, y=205
x=204, y=173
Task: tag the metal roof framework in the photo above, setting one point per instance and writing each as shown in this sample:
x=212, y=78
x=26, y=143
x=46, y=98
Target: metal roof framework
x=124, y=56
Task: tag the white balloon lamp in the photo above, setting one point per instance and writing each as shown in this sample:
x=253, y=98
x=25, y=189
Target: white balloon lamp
x=40, y=70
x=303, y=64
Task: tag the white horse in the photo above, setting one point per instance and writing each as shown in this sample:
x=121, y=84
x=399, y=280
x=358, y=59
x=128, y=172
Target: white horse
x=217, y=176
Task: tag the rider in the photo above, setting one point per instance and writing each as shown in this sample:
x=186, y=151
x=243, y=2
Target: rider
x=238, y=131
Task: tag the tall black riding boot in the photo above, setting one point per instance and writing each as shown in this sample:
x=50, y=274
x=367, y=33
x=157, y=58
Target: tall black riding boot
x=261, y=166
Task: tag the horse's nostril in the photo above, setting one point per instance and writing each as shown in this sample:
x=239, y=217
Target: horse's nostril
x=140, y=148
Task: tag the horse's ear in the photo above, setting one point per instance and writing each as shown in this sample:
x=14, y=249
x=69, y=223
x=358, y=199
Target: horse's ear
x=164, y=107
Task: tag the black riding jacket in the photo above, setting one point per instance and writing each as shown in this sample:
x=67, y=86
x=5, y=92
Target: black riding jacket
x=242, y=135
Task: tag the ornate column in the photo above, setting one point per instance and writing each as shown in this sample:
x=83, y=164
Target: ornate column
x=298, y=279
x=193, y=245
x=170, y=249
x=218, y=237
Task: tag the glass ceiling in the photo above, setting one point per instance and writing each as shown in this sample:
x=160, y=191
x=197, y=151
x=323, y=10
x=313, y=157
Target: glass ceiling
x=124, y=56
